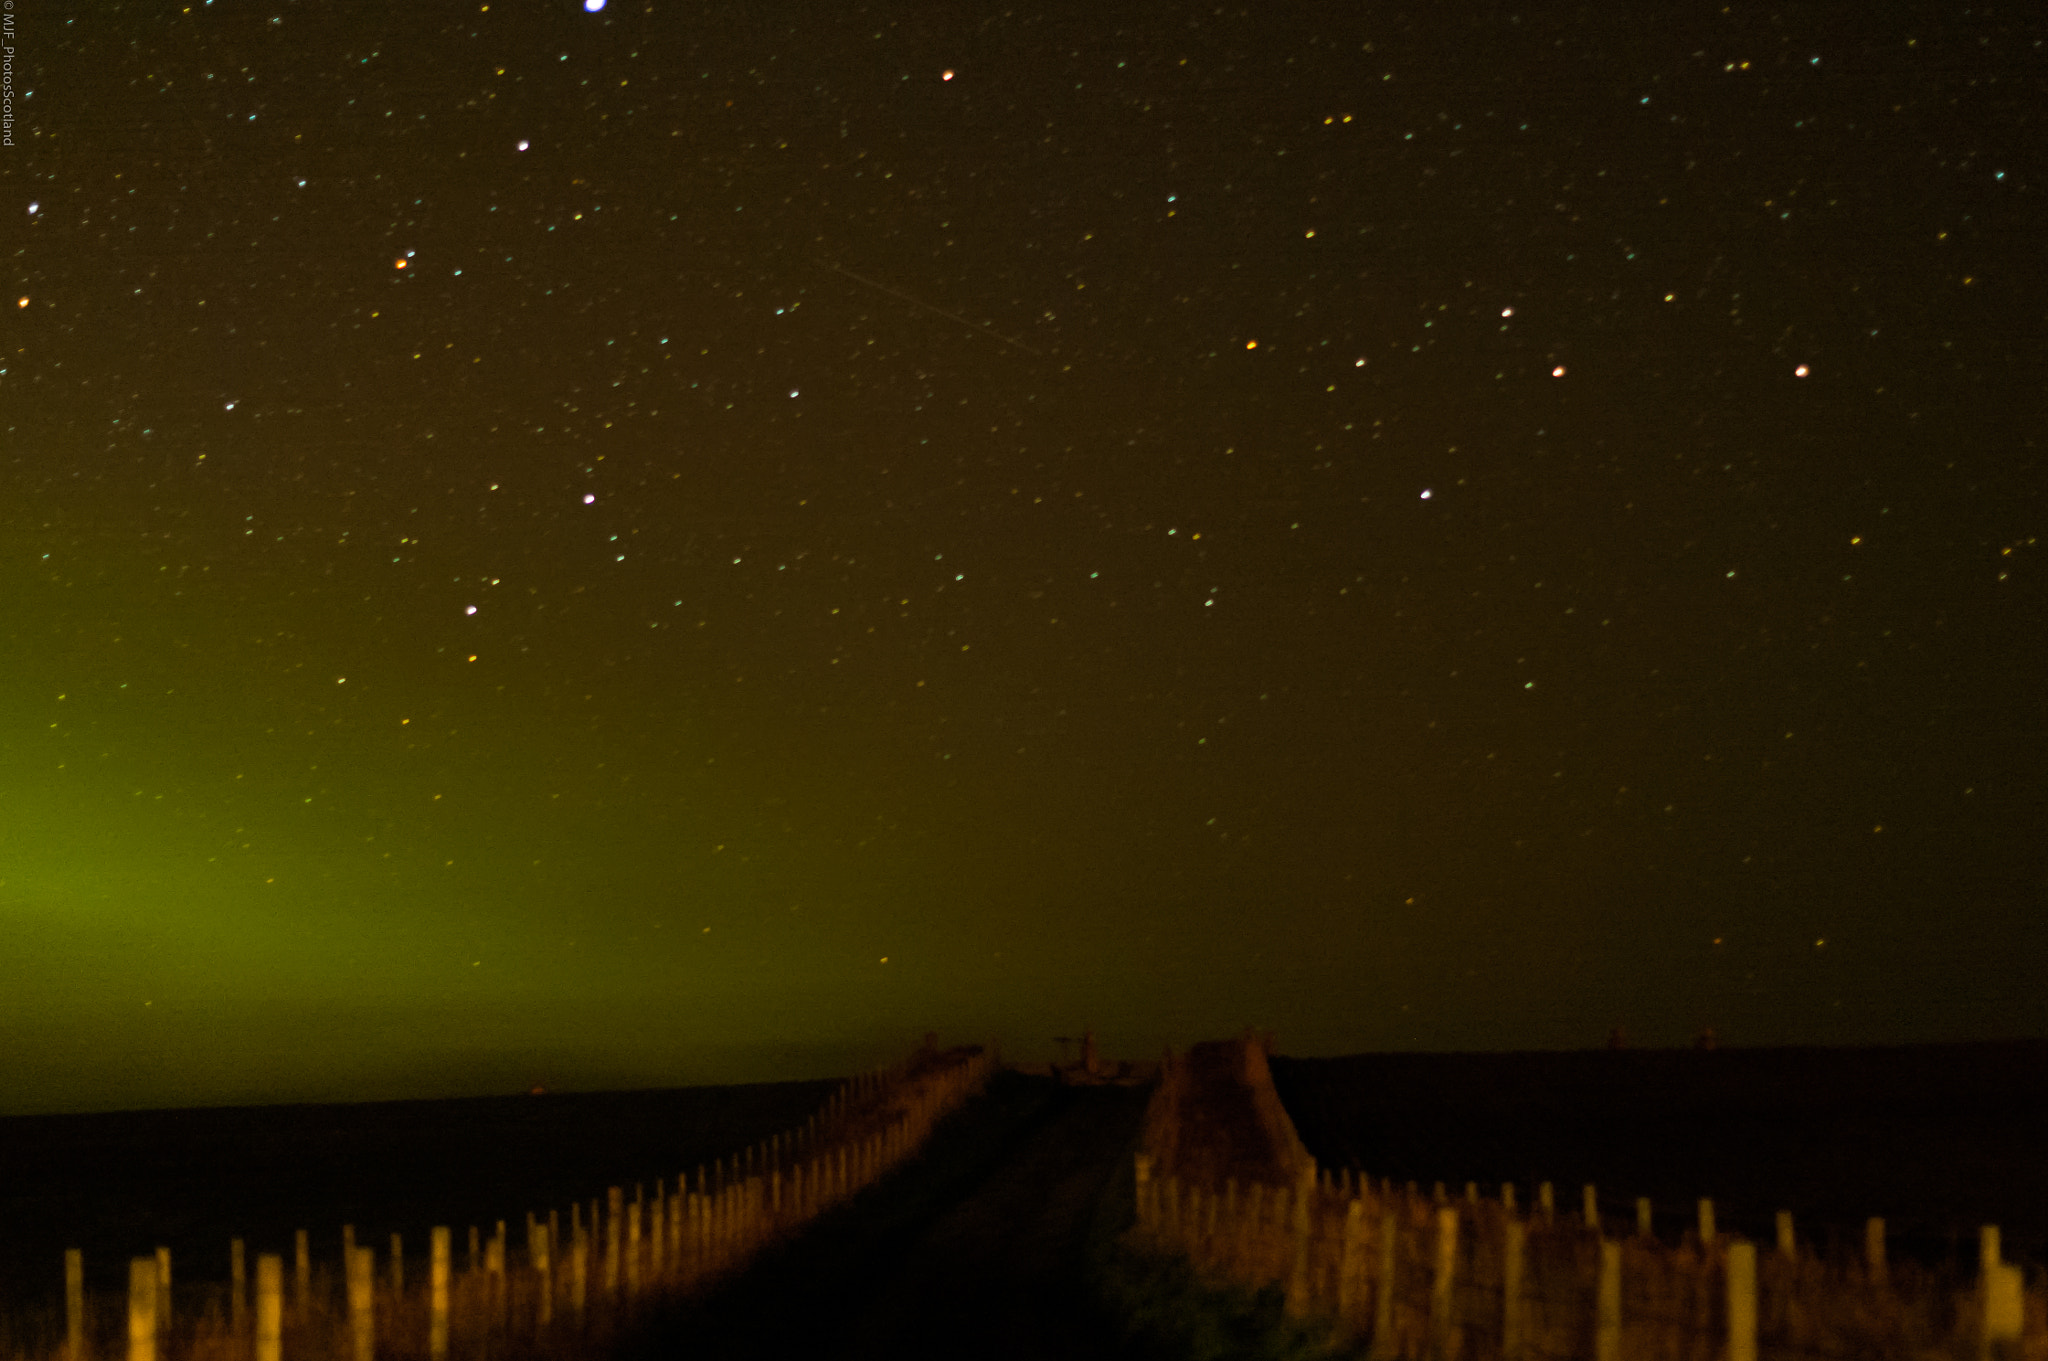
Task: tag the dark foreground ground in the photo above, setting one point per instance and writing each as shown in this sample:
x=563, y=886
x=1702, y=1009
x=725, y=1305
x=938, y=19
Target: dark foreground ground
x=977, y=1249
x=1937, y=1138
x=117, y=1185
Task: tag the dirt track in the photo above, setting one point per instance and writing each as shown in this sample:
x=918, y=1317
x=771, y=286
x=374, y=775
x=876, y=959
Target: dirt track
x=976, y=1249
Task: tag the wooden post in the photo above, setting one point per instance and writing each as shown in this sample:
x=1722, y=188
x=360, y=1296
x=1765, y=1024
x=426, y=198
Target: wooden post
x=1250, y=1222
x=1471, y=1193
x=657, y=1229
x=1443, y=1286
x=1507, y=1196
x=1298, y=1285
x=1384, y=1347
x=498, y=1294
x=438, y=1273
x=1546, y=1202
x=2004, y=1306
x=1643, y=1217
x=397, y=1268
x=1873, y=1250
x=540, y=1249
x=74, y=1304
x=1589, y=1206
x=1788, y=1244
x=1514, y=1253
x=1350, y=1264
x=1707, y=1232
x=238, y=1288
x=362, y=1317
x=302, y=1273
x=1607, y=1324
x=1739, y=1272
x=163, y=1287
x=615, y=1208
x=269, y=1307
x=579, y=1277
x=142, y=1309
x=1989, y=1253
x=633, y=1249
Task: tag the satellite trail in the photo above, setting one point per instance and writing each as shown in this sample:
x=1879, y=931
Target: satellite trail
x=988, y=331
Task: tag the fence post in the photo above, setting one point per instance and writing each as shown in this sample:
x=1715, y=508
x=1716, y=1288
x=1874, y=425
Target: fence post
x=397, y=1268
x=1989, y=1253
x=269, y=1307
x=238, y=1288
x=1788, y=1243
x=1383, y=1346
x=1607, y=1324
x=1297, y=1276
x=362, y=1317
x=1739, y=1273
x=1589, y=1206
x=1443, y=1286
x=2004, y=1306
x=1546, y=1202
x=1707, y=1233
x=1507, y=1196
x=163, y=1287
x=1873, y=1249
x=633, y=1250
x=142, y=1309
x=302, y=1273
x=615, y=1205
x=1643, y=1217
x=74, y=1304
x=438, y=1272
x=1514, y=1247
x=1347, y=1265
x=542, y=1253
x=579, y=1277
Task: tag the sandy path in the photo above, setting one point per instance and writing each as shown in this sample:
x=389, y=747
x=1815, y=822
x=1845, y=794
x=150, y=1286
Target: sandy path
x=974, y=1250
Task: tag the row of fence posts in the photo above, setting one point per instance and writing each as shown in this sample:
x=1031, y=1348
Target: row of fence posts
x=621, y=1254
x=1350, y=1249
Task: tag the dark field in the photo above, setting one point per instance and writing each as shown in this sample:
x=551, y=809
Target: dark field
x=117, y=1185
x=1936, y=1138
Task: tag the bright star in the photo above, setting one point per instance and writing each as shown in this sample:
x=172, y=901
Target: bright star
x=588, y=499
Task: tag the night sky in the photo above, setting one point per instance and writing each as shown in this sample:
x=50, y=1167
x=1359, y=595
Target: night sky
x=693, y=543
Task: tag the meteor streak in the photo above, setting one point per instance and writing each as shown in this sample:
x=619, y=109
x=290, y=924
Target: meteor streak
x=988, y=331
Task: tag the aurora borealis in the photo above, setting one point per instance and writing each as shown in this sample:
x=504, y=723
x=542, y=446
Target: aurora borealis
x=694, y=543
